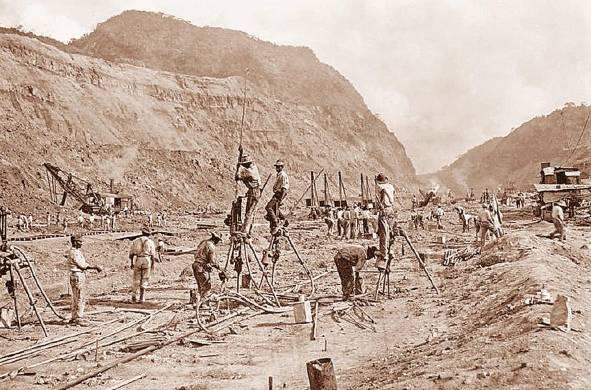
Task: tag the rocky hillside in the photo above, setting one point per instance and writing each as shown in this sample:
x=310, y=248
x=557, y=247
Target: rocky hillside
x=163, y=42
x=168, y=138
x=557, y=138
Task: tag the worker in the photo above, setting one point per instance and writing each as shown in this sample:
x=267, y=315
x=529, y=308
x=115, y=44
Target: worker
x=339, y=221
x=486, y=224
x=142, y=256
x=415, y=202
x=465, y=218
x=346, y=222
x=329, y=220
x=248, y=173
x=90, y=221
x=350, y=261
x=77, y=266
x=280, y=189
x=438, y=214
x=160, y=248
x=354, y=224
x=385, y=193
x=48, y=216
x=416, y=219
x=205, y=261
x=365, y=214
x=558, y=219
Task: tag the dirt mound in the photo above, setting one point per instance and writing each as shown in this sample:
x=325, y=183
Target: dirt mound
x=489, y=336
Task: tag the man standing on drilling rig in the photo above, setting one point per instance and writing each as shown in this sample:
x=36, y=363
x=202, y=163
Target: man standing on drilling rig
x=248, y=173
x=77, y=265
x=386, y=218
x=142, y=256
x=280, y=189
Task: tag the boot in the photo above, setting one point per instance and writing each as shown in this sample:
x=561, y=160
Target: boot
x=142, y=290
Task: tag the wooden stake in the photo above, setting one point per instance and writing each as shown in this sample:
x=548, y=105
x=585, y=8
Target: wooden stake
x=315, y=323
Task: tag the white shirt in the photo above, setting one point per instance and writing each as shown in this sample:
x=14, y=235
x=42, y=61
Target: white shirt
x=557, y=213
x=385, y=193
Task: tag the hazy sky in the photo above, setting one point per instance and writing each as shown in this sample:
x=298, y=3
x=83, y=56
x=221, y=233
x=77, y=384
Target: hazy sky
x=444, y=75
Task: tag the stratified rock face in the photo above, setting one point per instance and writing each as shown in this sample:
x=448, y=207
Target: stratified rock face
x=292, y=74
x=169, y=139
x=557, y=138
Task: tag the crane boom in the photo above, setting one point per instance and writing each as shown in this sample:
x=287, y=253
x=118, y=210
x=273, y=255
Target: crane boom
x=78, y=188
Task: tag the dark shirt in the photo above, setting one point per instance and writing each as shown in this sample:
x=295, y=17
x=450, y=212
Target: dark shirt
x=355, y=255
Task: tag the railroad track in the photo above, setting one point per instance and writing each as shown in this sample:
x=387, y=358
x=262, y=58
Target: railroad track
x=61, y=235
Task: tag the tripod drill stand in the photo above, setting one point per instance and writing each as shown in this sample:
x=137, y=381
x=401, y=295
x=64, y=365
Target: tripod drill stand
x=239, y=254
x=384, y=276
x=14, y=261
x=274, y=252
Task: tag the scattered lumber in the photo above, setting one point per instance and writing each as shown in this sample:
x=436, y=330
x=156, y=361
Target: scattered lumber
x=452, y=257
x=48, y=344
x=135, y=355
x=126, y=382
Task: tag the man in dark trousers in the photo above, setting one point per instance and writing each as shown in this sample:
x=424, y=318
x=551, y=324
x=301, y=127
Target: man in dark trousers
x=280, y=189
x=347, y=258
x=205, y=261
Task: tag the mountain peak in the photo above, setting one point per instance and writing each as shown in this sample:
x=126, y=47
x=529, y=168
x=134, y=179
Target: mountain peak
x=159, y=41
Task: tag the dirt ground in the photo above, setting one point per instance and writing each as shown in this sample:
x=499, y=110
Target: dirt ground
x=478, y=333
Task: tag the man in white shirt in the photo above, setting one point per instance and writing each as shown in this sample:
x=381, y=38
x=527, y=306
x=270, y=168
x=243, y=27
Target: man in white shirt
x=142, y=255
x=77, y=266
x=558, y=219
x=385, y=194
x=280, y=189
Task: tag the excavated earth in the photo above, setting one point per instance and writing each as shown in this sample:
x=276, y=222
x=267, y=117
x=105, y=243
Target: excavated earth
x=169, y=139
x=478, y=333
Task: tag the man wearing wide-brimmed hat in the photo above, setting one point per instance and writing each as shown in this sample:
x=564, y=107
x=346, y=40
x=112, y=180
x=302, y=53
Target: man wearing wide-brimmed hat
x=558, y=219
x=280, y=189
x=248, y=173
x=77, y=266
x=386, y=217
x=205, y=261
x=142, y=256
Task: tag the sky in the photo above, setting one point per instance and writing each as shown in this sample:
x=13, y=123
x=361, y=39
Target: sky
x=444, y=75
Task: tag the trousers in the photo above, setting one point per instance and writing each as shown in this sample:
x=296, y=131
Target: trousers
x=78, y=286
x=273, y=212
x=252, y=198
x=386, y=224
x=203, y=279
x=345, y=270
x=141, y=274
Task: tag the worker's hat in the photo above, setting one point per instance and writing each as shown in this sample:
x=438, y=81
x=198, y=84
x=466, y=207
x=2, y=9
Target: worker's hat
x=561, y=203
x=381, y=178
x=76, y=237
x=216, y=235
x=279, y=163
x=245, y=159
x=147, y=230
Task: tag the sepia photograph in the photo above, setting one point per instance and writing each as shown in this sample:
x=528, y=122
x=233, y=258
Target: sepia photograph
x=301, y=195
